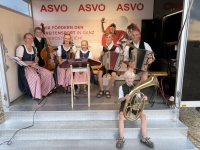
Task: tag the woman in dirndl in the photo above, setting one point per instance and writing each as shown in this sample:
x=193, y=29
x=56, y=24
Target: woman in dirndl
x=33, y=80
x=64, y=52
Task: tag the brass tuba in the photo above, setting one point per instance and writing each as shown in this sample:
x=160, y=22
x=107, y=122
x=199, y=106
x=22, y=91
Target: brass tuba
x=137, y=104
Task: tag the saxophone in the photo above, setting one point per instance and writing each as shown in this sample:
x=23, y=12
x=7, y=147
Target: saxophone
x=137, y=104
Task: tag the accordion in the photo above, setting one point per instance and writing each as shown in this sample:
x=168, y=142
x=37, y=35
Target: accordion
x=140, y=58
x=112, y=60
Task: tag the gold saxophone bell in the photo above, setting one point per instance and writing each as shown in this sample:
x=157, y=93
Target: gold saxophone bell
x=136, y=104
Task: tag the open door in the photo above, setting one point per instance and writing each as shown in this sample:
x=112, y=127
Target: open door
x=3, y=79
x=187, y=89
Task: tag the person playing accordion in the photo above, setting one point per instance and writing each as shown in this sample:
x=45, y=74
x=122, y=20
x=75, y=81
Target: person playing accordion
x=102, y=71
x=137, y=43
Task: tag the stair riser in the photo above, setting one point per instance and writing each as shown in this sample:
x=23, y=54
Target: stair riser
x=130, y=133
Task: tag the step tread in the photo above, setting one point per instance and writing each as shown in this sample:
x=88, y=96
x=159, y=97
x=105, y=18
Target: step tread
x=160, y=144
x=80, y=115
x=89, y=124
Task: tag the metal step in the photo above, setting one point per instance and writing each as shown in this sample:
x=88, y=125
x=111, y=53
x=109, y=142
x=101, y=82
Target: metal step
x=80, y=115
x=160, y=144
x=91, y=130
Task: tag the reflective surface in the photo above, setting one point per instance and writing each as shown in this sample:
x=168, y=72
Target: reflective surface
x=59, y=101
x=191, y=80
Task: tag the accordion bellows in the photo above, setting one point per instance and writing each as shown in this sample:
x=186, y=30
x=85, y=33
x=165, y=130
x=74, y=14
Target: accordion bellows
x=112, y=60
x=140, y=58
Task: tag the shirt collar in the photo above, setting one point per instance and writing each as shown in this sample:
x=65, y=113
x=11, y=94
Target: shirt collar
x=84, y=51
x=38, y=38
x=110, y=46
x=129, y=85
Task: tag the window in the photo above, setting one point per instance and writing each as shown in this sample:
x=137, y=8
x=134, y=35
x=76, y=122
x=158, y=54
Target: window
x=18, y=5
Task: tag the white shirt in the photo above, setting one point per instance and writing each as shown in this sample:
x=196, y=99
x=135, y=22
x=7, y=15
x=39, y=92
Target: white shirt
x=126, y=51
x=20, y=51
x=110, y=46
x=84, y=52
x=59, y=51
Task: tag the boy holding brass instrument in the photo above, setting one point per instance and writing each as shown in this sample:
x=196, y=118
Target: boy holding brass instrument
x=124, y=96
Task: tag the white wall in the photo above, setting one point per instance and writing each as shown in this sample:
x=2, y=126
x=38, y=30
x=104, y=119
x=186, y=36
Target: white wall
x=13, y=26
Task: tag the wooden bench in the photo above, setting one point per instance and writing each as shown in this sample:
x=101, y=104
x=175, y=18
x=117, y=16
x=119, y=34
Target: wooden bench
x=159, y=73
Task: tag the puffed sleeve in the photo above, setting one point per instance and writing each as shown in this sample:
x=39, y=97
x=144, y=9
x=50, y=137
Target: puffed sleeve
x=77, y=55
x=90, y=55
x=20, y=51
x=59, y=51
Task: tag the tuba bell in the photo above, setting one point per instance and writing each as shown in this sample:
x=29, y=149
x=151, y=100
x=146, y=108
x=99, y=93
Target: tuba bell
x=135, y=103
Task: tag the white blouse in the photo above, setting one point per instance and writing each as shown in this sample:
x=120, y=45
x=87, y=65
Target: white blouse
x=20, y=51
x=84, y=52
x=59, y=51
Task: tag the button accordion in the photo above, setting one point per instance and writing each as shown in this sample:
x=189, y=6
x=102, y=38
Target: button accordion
x=140, y=58
x=112, y=60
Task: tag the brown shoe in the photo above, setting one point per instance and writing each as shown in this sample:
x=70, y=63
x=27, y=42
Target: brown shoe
x=120, y=143
x=147, y=142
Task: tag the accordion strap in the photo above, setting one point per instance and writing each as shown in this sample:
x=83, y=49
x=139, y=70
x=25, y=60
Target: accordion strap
x=105, y=47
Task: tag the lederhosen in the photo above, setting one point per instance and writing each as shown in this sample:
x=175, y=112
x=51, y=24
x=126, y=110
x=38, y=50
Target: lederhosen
x=22, y=81
x=86, y=55
x=39, y=46
x=141, y=46
x=103, y=69
x=126, y=89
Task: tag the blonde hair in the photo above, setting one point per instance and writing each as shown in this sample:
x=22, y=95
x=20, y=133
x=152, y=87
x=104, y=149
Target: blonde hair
x=67, y=35
x=108, y=33
x=84, y=41
x=128, y=74
x=27, y=34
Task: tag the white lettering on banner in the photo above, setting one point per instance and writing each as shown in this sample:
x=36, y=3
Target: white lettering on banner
x=127, y=7
x=88, y=32
x=61, y=38
x=51, y=8
x=92, y=7
x=58, y=32
x=64, y=27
